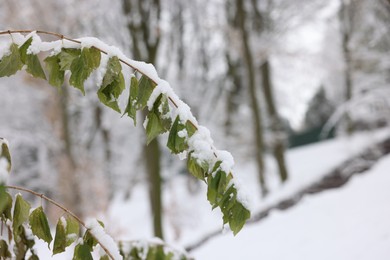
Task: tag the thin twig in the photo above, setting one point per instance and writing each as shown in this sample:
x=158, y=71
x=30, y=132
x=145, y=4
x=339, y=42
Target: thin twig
x=102, y=51
x=10, y=32
x=63, y=208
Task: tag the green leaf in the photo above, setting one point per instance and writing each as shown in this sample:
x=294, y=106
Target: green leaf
x=21, y=213
x=162, y=110
x=4, y=251
x=83, y=66
x=40, y=225
x=113, y=84
x=158, y=119
x=132, y=102
x=82, y=252
x=176, y=143
x=195, y=169
x=5, y=154
x=56, y=75
x=5, y=203
x=11, y=63
x=153, y=127
x=136, y=253
x=33, y=257
x=145, y=89
x=72, y=230
x=105, y=257
x=155, y=253
x=60, y=237
x=238, y=218
x=191, y=129
x=33, y=64
x=67, y=56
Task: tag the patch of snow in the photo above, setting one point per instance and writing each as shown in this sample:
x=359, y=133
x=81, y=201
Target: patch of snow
x=98, y=232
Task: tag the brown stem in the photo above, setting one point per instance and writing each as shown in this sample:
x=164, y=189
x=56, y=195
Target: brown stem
x=76, y=41
x=102, y=51
x=63, y=208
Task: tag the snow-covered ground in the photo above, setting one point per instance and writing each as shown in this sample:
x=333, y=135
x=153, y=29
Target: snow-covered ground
x=188, y=215
x=351, y=222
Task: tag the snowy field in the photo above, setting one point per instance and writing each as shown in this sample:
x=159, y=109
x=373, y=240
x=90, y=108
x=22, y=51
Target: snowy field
x=351, y=222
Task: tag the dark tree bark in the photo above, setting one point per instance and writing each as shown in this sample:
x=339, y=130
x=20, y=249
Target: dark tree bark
x=278, y=140
x=240, y=18
x=145, y=42
x=346, y=23
x=69, y=179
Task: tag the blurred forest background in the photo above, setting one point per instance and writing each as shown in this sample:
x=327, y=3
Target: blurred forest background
x=263, y=75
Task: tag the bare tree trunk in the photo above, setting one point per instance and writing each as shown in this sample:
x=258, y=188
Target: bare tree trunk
x=152, y=156
x=346, y=29
x=278, y=140
x=256, y=112
x=141, y=34
x=231, y=103
x=69, y=179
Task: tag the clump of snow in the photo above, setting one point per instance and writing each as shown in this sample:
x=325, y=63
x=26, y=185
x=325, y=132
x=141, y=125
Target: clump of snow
x=202, y=146
x=3, y=171
x=101, y=70
x=183, y=133
x=5, y=49
x=98, y=232
x=18, y=38
x=155, y=94
x=145, y=123
x=226, y=159
x=4, y=164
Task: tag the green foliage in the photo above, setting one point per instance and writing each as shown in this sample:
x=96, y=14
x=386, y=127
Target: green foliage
x=113, y=84
x=60, y=237
x=5, y=154
x=222, y=193
x=158, y=120
x=5, y=204
x=196, y=169
x=81, y=63
x=82, y=66
x=4, y=251
x=131, y=103
x=40, y=225
x=56, y=74
x=151, y=252
x=176, y=142
x=11, y=63
x=82, y=252
x=32, y=62
x=21, y=214
x=67, y=56
x=145, y=89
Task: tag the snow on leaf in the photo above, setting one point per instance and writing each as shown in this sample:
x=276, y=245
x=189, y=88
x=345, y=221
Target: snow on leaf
x=130, y=109
x=11, y=63
x=34, y=66
x=113, y=84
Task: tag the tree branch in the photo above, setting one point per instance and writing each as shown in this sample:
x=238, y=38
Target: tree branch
x=64, y=209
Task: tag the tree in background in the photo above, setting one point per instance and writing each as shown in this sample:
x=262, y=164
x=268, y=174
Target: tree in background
x=143, y=25
x=319, y=110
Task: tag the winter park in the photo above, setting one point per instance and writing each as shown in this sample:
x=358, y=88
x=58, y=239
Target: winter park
x=207, y=130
